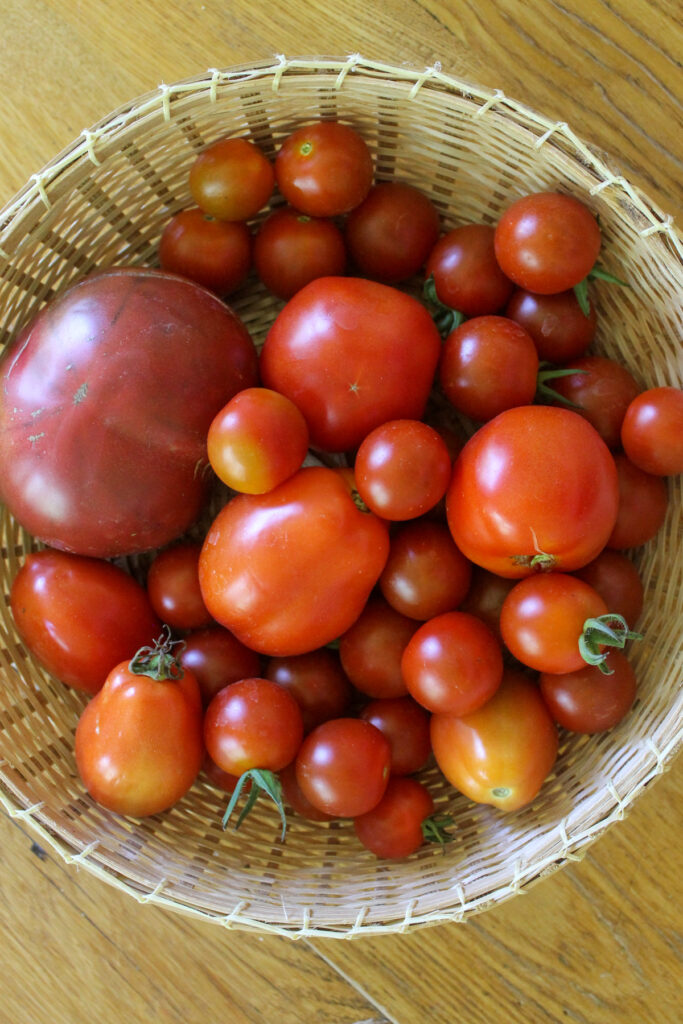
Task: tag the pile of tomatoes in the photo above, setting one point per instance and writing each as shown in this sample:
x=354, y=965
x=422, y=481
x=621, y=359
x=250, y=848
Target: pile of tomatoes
x=447, y=578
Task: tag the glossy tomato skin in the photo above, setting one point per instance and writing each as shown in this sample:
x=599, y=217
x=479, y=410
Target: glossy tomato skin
x=558, y=326
x=80, y=616
x=317, y=682
x=601, y=391
x=161, y=355
x=466, y=274
x=618, y=582
x=290, y=570
x=371, y=650
x=405, y=723
x=536, y=482
x=393, y=828
x=343, y=767
x=139, y=742
x=502, y=753
x=351, y=354
x=173, y=587
x=588, y=701
x=216, y=658
x=214, y=253
x=291, y=249
x=392, y=232
x=425, y=574
x=231, y=179
x=643, y=505
x=652, y=431
x=324, y=169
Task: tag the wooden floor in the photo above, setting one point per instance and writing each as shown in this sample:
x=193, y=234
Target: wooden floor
x=598, y=943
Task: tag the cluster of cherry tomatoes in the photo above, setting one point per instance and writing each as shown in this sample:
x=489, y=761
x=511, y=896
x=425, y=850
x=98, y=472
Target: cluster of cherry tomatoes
x=449, y=580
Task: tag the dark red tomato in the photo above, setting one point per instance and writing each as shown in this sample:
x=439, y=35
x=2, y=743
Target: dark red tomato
x=211, y=252
x=643, y=504
x=587, y=700
x=216, y=658
x=425, y=574
x=136, y=484
x=502, y=753
x=488, y=364
x=601, y=391
x=485, y=597
x=351, y=354
x=371, y=650
x=253, y=723
x=291, y=249
x=317, y=682
x=271, y=562
x=257, y=441
x=402, y=469
x=139, y=741
x=453, y=664
x=536, y=486
x=394, y=827
x=324, y=169
x=543, y=617
x=343, y=767
x=558, y=326
x=390, y=235
x=405, y=723
x=618, y=582
x=231, y=179
x=173, y=587
x=652, y=431
x=466, y=274
x=547, y=242
x=293, y=796
x=80, y=616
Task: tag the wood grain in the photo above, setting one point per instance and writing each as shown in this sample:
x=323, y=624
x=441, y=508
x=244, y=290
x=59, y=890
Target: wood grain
x=599, y=941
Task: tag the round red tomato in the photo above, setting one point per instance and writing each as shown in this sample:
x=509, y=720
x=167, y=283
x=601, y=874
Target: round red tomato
x=425, y=574
x=502, y=753
x=536, y=487
x=618, y=582
x=405, y=723
x=231, y=179
x=271, y=562
x=371, y=650
x=343, y=767
x=558, y=326
x=394, y=827
x=105, y=402
x=390, y=235
x=643, y=504
x=547, y=242
x=291, y=249
x=317, y=682
x=139, y=741
x=351, y=354
x=587, y=700
x=211, y=252
x=466, y=274
x=173, y=587
x=324, y=169
x=80, y=616
x=216, y=658
x=652, y=431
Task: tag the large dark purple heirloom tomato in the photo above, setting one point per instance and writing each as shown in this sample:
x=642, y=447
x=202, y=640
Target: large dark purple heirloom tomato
x=106, y=398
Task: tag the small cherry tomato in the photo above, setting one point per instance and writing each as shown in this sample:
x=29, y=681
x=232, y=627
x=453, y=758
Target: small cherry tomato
x=405, y=723
x=502, y=753
x=587, y=700
x=257, y=441
x=393, y=828
x=402, y=469
x=425, y=573
x=452, y=664
x=390, y=235
x=291, y=249
x=618, y=583
x=291, y=791
x=231, y=179
x=600, y=391
x=211, y=252
x=643, y=504
x=317, y=682
x=324, y=169
x=652, y=431
x=466, y=274
x=343, y=767
x=173, y=587
x=485, y=597
x=217, y=658
x=547, y=242
x=371, y=650
x=558, y=326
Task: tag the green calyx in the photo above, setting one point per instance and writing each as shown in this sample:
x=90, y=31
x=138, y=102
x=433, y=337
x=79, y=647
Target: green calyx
x=445, y=318
x=435, y=829
x=545, y=393
x=598, y=273
x=609, y=630
x=160, y=661
x=262, y=781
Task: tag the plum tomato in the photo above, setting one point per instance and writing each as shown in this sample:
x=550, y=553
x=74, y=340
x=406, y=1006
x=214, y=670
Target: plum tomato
x=289, y=571
x=393, y=828
x=652, y=431
x=391, y=234
x=535, y=487
x=343, y=767
x=502, y=753
x=618, y=582
x=231, y=179
x=80, y=616
x=466, y=274
x=600, y=390
x=173, y=587
x=371, y=649
x=643, y=505
x=257, y=441
x=402, y=469
x=214, y=253
x=425, y=573
x=216, y=658
x=488, y=364
x=139, y=741
x=324, y=169
x=547, y=242
x=351, y=354
x=291, y=249
x=452, y=664
x=317, y=682
x=558, y=326
x=587, y=700
x=405, y=723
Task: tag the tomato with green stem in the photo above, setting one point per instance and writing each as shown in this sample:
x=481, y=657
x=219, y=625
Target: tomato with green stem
x=600, y=390
x=464, y=276
x=402, y=822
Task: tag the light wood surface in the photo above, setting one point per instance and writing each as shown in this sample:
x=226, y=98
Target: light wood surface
x=597, y=942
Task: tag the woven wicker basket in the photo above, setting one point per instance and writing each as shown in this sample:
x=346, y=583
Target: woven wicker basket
x=105, y=200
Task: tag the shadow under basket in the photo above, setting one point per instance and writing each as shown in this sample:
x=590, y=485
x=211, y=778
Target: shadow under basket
x=105, y=200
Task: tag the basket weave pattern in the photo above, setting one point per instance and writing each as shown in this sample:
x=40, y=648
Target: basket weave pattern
x=106, y=200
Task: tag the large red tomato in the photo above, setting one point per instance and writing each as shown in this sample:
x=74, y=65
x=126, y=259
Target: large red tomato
x=290, y=570
x=105, y=401
x=351, y=354
x=534, y=488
